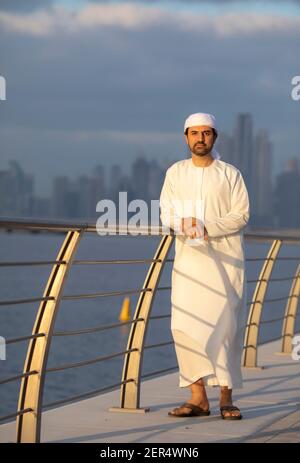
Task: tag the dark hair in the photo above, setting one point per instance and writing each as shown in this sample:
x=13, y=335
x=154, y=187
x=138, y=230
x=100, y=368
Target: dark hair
x=214, y=131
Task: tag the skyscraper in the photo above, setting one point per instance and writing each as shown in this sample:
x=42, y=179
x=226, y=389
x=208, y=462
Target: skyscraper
x=114, y=182
x=16, y=191
x=243, y=147
x=287, y=196
x=140, y=178
x=262, y=173
x=225, y=146
x=59, y=192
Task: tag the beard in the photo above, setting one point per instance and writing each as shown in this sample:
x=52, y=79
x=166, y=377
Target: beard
x=200, y=150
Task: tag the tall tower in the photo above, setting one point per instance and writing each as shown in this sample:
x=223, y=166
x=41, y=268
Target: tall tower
x=287, y=196
x=225, y=145
x=243, y=147
x=140, y=178
x=61, y=186
x=262, y=172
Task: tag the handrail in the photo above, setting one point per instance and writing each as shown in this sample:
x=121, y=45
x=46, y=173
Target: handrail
x=288, y=328
x=7, y=223
x=113, y=261
x=130, y=392
x=255, y=312
x=31, y=391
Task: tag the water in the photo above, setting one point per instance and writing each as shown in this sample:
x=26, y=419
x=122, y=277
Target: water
x=26, y=282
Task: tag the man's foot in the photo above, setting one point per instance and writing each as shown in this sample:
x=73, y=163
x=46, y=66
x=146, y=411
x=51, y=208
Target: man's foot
x=227, y=409
x=191, y=409
x=230, y=412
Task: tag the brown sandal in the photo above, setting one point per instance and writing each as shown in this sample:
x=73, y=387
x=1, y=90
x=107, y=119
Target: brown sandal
x=230, y=408
x=195, y=411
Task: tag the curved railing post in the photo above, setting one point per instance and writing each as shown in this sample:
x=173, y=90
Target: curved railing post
x=31, y=389
x=288, y=328
x=130, y=391
x=252, y=328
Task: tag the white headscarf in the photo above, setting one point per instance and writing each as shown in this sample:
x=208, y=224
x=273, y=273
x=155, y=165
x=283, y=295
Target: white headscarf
x=203, y=119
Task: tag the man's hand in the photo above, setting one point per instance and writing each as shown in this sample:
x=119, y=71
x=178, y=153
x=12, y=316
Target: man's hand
x=193, y=228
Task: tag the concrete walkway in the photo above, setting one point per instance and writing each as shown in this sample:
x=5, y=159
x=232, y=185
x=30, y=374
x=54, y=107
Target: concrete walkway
x=269, y=401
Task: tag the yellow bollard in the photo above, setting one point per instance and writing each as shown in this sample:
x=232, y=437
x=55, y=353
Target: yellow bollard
x=125, y=311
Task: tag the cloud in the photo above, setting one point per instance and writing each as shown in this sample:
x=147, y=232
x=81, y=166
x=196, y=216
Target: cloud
x=55, y=19
x=23, y=5
x=98, y=83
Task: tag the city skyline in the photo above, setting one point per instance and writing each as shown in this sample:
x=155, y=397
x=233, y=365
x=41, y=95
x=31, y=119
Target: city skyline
x=77, y=198
x=231, y=146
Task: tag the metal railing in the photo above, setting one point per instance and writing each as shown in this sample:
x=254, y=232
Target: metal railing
x=30, y=405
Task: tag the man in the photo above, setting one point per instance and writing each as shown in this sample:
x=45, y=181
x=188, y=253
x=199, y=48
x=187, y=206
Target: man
x=205, y=201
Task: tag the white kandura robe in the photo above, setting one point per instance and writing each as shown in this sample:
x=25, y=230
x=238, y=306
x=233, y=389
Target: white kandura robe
x=208, y=294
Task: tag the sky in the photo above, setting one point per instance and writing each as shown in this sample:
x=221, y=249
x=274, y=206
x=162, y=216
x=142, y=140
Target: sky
x=101, y=82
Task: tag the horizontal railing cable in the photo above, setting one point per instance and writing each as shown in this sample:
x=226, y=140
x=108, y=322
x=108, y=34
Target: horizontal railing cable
x=86, y=394
x=31, y=262
x=15, y=378
x=96, y=328
x=156, y=317
x=25, y=338
x=120, y=261
x=272, y=300
x=105, y=294
x=78, y=262
x=102, y=294
x=251, y=259
x=273, y=279
x=270, y=321
x=264, y=322
x=26, y=301
x=89, y=362
x=14, y=415
x=159, y=371
x=285, y=278
x=163, y=288
x=280, y=298
x=150, y=346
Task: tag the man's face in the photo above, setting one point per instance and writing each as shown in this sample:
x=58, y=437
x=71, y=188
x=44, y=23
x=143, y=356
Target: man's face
x=200, y=139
